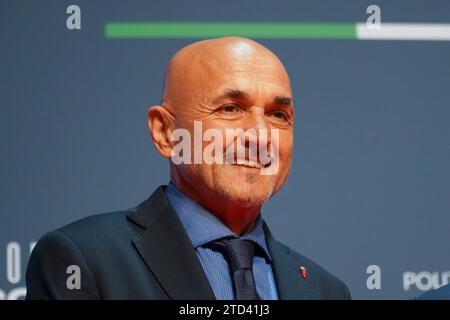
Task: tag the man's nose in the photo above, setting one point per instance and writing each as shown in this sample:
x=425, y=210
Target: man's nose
x=257, y=121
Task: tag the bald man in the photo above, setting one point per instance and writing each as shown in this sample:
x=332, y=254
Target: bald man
x=225, y=124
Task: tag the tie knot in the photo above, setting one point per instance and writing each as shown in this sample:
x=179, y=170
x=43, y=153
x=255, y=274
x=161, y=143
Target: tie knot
x=239, y=253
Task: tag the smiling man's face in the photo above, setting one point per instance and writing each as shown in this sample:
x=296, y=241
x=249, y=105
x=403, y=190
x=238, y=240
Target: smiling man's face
x=231, y=83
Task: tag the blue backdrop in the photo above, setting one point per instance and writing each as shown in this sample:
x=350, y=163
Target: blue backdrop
x=370, y=179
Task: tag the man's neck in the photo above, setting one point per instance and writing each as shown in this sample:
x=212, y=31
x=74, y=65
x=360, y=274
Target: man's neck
x=240, y=220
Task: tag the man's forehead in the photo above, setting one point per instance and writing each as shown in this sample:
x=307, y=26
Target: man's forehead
x=226, y=55
x=207, y=68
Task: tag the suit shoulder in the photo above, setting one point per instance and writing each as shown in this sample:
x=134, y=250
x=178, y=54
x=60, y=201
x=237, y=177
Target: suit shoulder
x=95, y=238
x=97, y=223
x=328, y=285
x=96, y=229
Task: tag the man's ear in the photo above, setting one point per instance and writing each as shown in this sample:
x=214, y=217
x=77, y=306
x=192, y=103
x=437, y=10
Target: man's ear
x=160, y=125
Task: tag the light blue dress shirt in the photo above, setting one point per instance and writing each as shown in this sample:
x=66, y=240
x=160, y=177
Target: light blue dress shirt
x=203, y=227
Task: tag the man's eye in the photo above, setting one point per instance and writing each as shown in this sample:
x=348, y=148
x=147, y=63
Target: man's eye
x=230, y=108
x=281, y=115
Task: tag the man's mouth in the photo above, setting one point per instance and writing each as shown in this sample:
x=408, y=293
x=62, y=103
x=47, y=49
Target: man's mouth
x=251, y=164
x=249, y=159
x=248, y=163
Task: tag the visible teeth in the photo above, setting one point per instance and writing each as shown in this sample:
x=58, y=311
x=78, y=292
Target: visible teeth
x=252, y=164
x=247, y=163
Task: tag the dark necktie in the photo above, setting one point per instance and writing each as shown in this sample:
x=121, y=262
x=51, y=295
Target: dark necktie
x=239, y=255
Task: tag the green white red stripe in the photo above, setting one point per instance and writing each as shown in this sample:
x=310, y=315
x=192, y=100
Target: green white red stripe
x=336, y=31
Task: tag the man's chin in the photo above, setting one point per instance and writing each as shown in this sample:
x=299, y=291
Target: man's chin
x=242, y=198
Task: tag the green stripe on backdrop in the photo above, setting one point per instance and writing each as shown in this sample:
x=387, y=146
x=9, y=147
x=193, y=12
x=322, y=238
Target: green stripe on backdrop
x=155, y=30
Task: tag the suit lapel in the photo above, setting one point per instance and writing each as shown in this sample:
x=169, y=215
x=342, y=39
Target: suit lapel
x=167, y=250
x=290, y=283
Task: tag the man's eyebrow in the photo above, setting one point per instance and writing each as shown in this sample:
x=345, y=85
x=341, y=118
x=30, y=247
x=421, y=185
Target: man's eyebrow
x=284, y=101
x=235, y=94
x=242, y=95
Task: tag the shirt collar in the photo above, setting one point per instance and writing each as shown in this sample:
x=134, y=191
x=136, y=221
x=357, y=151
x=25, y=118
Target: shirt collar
x=203, y=227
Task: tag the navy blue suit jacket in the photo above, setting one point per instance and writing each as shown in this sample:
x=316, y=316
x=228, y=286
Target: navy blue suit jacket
x=442, y=293
x=145, y=253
